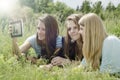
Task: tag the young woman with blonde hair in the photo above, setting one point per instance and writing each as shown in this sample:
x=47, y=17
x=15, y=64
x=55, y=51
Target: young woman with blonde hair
x=100, y=51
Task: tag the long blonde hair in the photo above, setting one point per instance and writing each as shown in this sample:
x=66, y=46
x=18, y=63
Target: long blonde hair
x=94, y=35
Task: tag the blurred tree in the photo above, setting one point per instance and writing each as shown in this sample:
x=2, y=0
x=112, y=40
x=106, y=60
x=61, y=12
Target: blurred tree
x=85, y=8
x=42, y=5
x=110, y=7
x=29, y=3
x=97, y=7
x=118, y=7
x=78, y=8
x=37, y=5
x=63, y=11
x=117, y=11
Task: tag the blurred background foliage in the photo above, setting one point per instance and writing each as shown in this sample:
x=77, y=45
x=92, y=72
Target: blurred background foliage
x=30, y=10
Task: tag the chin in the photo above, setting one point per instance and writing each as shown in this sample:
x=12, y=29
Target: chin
x=75, y=39
x=41, y=38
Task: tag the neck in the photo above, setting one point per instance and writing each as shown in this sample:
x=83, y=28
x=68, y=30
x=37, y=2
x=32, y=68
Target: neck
x=41, y=42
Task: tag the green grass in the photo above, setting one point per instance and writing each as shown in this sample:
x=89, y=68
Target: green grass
x=113, y=26
x=12, y=69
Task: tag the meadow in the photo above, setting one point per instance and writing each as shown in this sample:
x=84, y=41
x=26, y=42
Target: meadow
x=13, y=69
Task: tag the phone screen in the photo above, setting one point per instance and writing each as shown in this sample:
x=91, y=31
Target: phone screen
x=17, y=28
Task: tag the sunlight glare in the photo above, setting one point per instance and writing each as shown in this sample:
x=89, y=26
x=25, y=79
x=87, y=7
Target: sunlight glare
x=7, y=5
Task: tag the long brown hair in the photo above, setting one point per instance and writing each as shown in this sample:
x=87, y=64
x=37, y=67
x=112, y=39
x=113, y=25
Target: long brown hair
x=78, y=45
x=51, y=33
x=94, y=35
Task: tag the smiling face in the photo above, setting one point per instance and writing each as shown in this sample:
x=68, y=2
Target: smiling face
x=41, y=31
x=73, y=30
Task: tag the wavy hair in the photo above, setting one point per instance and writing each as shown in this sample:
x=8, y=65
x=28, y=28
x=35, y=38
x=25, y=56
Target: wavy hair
x=78, y=46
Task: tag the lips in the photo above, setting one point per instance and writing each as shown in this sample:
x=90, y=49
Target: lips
x=41, y=37
x=74, y=34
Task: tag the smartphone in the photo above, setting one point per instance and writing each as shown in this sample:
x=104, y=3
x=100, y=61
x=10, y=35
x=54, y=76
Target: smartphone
x=17, y=28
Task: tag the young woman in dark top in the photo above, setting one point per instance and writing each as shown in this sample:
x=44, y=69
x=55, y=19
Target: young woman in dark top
x=72, y=42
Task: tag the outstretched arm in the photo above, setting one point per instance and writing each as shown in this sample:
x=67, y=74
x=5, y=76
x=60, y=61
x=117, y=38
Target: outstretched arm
x=15, y=48
x=24, y=47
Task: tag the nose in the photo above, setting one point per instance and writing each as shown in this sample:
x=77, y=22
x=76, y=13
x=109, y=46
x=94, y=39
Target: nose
x=39, y=31
x=72, y=30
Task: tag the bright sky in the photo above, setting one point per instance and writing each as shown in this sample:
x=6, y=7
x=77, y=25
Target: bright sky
x=75, y=3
